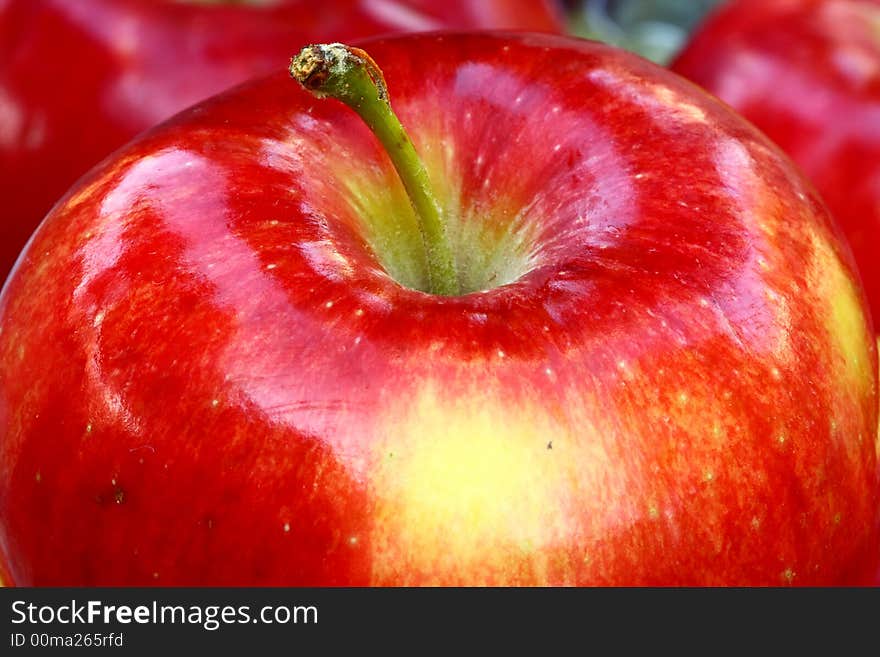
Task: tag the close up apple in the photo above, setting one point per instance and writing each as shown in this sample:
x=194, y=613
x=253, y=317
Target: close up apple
x=807, y=74
x=227, y=355
x=79, y=78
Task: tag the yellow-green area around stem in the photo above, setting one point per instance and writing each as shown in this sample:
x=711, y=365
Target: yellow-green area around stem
x=432, y=242
x=335, y=70
x=492, y=247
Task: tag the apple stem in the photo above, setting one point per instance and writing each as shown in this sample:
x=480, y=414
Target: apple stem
x=350, y=75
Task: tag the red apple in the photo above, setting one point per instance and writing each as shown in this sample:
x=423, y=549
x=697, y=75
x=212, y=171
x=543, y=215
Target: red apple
x=221, y=361
x=79, y=79
x=808, y=74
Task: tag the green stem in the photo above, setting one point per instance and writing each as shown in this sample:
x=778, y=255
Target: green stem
x=351, y=76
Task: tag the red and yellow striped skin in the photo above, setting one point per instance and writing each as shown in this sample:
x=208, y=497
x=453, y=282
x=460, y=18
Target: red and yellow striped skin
x=807, y=73
x=207, y=375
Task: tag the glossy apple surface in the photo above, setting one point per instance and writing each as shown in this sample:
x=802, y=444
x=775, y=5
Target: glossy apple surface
x=216, y=366
x=808, y=74
x=79, y=79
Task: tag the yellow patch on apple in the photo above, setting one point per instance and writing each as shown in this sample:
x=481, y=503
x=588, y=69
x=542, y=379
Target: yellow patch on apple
x=845, y=320
x=474, y=489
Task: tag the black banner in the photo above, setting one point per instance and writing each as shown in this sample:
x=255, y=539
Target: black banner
x=115, y=620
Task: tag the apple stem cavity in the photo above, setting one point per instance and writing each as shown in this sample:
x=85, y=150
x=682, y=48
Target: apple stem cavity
x=351, y=76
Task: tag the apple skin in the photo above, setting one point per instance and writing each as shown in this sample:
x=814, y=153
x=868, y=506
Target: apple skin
x=807, y=74
x=208, y=377
x=79, y=79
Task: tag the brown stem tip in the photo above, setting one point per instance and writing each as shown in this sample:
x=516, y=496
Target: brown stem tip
x=319, y=66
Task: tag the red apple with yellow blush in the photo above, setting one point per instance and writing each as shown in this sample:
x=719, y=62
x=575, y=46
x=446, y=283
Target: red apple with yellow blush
x=569, y=321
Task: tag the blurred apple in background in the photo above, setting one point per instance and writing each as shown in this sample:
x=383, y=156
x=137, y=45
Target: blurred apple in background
x=79, y=78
